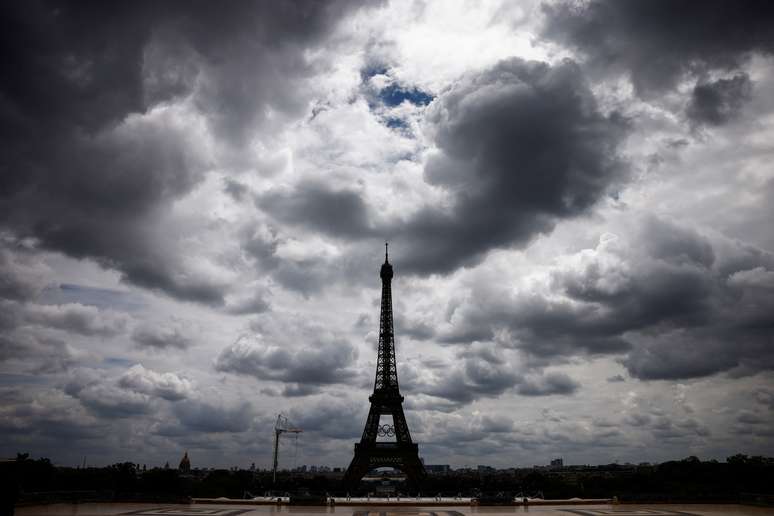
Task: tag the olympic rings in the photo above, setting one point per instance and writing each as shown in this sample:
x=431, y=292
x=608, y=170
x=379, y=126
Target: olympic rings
x=386, y=431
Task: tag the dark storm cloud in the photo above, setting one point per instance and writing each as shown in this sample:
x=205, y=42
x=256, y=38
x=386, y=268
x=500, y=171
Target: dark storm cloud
x=104, y=397
x=46, y=416
x=26, y=351
x=673, y=303
x=765, y=397
x=87, y=64
x=417, y=330
x=11, y=315
x=427, y=403
x=321, y=365
x=297, y=391
x=22, y=275
x=482, y=371
x=715, y=103
x=520, y=146
x=330, y=418
x=638, y=420
x=665, y=428
x=254, y=304
x=103, y=298
x=496, y=424
x=751, y=418
x=95, y=145
x=479, y=437
x=320, y=359
x=98, y=196
x=550, y=383
x=208, y=417
x=760, y=431
x=676, y=244
x=161, y=337
x=111, y=402
x=660, y=42
x=76, y=318
x=238, y=191
x=308, y=275
x=317, y=206
x=474, y=380
x=477, y=372
x=760, y=424
x=36, y=338
x=692, y=354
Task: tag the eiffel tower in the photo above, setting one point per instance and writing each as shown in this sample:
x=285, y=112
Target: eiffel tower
x=386, y=400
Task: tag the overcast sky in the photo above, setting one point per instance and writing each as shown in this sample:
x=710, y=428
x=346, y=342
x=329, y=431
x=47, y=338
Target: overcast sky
x=578, y=197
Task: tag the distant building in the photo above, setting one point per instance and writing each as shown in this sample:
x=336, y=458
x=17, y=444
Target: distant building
x=557, y=463
x=485, y=469
x=185, y=464
x=437, y=469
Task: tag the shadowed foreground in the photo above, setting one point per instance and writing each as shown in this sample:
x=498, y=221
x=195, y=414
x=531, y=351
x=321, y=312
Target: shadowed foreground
x=246, y=510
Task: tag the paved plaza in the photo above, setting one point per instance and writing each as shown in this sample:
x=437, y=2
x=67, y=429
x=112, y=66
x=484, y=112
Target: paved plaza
x=120, y=509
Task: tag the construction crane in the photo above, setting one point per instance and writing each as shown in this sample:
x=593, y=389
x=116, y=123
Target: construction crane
x=282, y=426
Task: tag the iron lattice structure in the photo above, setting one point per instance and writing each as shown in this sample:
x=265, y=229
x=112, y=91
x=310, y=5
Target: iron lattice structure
x=402, y=454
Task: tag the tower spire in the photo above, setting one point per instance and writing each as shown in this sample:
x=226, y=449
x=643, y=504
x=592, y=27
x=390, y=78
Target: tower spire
x=386, y=260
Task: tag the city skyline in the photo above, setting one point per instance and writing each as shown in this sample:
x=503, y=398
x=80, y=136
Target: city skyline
x=577, y=195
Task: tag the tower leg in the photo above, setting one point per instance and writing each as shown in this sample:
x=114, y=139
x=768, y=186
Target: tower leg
x=357, y=469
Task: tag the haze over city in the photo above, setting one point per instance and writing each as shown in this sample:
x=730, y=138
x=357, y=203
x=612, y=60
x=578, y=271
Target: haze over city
x=194, y=200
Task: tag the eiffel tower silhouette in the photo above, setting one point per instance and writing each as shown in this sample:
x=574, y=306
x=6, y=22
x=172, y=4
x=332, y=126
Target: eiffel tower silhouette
x=386, y=400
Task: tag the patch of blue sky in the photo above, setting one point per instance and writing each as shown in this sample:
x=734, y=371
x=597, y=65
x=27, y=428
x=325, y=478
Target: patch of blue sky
x=396, y=123
x=390, y=92
x=16, y=379
x=93, y=296
x=395, y=95
x=118, y=362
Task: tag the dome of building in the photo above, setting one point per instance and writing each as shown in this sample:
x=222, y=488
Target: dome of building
x=185, y=464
